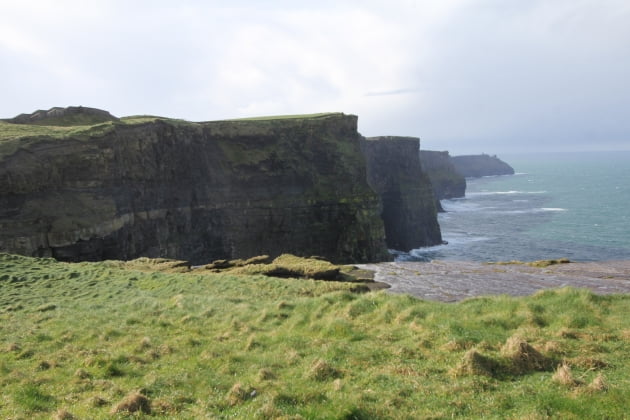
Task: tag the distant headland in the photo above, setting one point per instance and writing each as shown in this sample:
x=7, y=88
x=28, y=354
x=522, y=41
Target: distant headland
x=473, y=166
x=448, y=173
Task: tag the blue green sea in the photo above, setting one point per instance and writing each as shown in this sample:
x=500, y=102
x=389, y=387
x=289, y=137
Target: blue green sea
x=573, y=205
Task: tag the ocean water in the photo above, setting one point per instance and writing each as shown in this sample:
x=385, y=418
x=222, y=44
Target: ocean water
x=573, y=205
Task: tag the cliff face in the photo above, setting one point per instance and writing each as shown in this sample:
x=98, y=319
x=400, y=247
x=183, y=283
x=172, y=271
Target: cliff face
x=409, y=211
x=481, y=165
x=196, y=191
x=446, y=182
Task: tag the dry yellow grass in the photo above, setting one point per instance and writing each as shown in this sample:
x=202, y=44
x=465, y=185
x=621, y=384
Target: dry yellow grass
x=133, y=403
x=523, y=357
x=564, y=376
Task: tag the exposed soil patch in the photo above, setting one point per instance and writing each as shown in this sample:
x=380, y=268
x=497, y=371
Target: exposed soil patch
x=450, y=281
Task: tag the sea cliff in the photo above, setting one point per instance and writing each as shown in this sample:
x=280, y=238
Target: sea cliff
x=409, y=209
x=473, y=166
x=446, y=182
x=149, y=186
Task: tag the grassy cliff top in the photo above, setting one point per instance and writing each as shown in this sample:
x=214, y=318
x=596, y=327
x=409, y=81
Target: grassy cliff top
x=394, y=138
x=13, y=131
x=68, y=126
x=288, y=117
x=82, y=127
x=96, y=340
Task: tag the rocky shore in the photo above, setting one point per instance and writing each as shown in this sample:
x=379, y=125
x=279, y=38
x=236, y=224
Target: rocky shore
x=451, y=281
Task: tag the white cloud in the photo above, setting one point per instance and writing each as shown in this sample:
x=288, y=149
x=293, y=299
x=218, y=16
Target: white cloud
x=452, y=72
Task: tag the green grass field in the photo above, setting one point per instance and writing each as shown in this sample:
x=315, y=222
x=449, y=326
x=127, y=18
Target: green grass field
x=15, y=136
x=106, y=340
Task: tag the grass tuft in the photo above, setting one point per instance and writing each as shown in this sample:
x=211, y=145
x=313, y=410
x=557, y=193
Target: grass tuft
x=523, y=357
x=599, y=384
x=239, y=394
x=564, y=376
x=134, y=402
x=82, y=374
x=63, y=414
x=265, y=374
x=321, y=370
x=587, y=363
x=474, y=363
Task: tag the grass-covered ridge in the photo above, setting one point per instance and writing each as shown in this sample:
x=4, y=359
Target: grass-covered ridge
x=68, y=126
x=14, y=136
x=81, y=127
x=11, y=131
x=287, y=117
x=100, y=340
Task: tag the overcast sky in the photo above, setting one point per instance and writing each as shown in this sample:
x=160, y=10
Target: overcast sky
x=468, y=76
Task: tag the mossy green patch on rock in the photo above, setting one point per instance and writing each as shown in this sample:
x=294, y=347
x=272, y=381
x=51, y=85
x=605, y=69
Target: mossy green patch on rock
x=287, y=265
x=284, y=266
x=538, y=263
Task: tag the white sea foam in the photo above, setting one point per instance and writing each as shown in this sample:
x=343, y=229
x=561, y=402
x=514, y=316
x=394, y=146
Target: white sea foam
x=451, y=206
x=485, y=193
x=461, y=238
x=427, y=253
x=530, y=211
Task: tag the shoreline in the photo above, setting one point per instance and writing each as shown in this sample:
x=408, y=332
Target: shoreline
x=453, y=281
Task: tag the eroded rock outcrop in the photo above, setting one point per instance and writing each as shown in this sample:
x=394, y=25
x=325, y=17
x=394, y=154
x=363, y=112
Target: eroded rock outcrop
x=196, y=191
x=409, y=211
x=473, y=166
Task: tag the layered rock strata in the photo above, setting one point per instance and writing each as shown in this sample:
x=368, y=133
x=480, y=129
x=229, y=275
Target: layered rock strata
x=409, y=210
x=196, y=191
x=446, y=182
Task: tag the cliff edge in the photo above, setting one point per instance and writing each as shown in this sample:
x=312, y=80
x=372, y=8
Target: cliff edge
x=446, y=181
x=156, y=187
x=409, y=210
